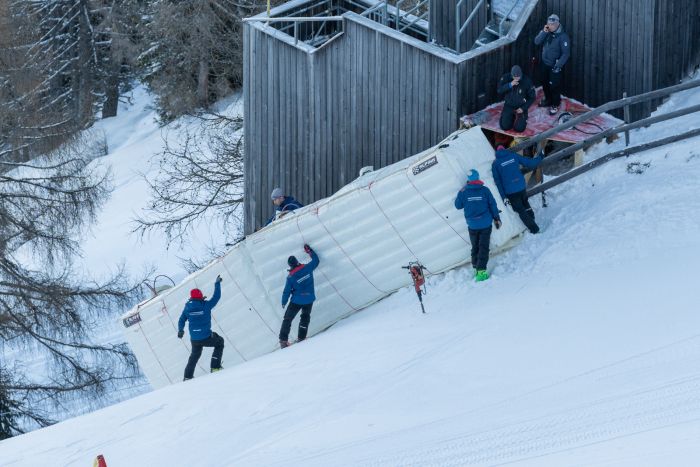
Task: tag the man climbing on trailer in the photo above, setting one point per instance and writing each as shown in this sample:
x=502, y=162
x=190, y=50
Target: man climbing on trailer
x=511, y=183
x=300, y=287
x=519, y=94
x=283, y=204
x=480, y=210
x=198, y=311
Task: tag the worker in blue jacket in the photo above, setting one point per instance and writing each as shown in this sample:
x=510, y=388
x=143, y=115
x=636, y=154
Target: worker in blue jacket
x=198, y=311
x=480, y=210
x=300, y=287
x=511, y=183
x=283, y=204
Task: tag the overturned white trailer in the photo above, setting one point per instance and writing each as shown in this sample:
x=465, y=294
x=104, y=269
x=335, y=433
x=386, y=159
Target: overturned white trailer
x=363, y=234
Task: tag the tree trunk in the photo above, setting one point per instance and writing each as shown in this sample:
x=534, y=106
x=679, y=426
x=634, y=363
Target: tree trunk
x=203, y=83
x=109, y=108
x=85, y=83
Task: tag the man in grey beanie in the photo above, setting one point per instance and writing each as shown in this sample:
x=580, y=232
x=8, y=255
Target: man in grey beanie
x=519, y=94
x=556, y=49
x=283, y=204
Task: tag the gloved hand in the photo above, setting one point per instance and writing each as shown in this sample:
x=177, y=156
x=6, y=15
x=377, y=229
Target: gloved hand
x=307, y=248
x=180, y=334
x=556, y=69
x=218, y=278
x=498, y=223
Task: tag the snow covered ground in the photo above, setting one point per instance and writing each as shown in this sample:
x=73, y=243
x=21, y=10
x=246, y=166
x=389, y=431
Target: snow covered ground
x=133, y=139
x=583, y=349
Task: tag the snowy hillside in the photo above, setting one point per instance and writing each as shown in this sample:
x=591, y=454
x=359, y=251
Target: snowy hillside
x=583, y=349
x=134, y=139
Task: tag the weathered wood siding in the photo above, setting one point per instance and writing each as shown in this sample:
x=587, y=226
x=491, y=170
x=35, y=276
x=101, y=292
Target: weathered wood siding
x=372, y=96
x=676, y=40
x=627, y=45
x=315, y=118
x=444, y=24
x=482, y=68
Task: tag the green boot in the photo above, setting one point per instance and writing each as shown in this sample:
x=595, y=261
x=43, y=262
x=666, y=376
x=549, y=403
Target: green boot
x=482, y=275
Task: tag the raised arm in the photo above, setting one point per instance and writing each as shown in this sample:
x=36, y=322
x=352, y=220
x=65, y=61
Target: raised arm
x=217, y=294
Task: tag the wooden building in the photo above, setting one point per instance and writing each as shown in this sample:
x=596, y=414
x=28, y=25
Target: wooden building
x=366, y=84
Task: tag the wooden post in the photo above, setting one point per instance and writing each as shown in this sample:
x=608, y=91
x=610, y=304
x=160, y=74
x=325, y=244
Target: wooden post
x=627, y=120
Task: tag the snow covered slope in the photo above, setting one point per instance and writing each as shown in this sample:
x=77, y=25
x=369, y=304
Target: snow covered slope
x=583, y=349
x=363, y=234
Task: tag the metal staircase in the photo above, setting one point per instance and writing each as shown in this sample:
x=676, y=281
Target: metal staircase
x=502, y=15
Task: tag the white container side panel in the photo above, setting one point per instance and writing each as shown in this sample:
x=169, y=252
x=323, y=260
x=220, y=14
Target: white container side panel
x=363, y=235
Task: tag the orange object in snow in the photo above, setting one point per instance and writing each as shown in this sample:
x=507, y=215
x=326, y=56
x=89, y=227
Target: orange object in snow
x=415, y=269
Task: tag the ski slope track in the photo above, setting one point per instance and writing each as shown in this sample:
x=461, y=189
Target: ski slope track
x=583, y=349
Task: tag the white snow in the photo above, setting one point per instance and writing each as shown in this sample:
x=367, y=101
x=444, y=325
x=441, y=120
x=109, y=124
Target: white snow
x=134, y=138
x=582, y=349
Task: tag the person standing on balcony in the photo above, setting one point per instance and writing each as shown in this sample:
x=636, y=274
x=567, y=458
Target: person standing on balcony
x=519, y=95
x=556, y=49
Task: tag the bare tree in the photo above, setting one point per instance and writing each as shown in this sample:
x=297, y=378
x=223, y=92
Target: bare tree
x=63, y=61
x=195, y=51
x=48, y=312
x=201, y=174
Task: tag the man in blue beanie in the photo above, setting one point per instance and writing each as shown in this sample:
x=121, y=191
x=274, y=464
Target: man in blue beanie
x=299, y=291
x=511, y=183
x=198, y=311
x=480, y=210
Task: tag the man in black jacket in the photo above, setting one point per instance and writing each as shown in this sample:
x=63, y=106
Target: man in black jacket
x=519, y=96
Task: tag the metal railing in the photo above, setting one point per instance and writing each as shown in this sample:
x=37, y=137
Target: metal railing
x=625, y=128
x=462, y=27
x=506, y=17
x=296, y=20
x=612, y=105
x=403, y=20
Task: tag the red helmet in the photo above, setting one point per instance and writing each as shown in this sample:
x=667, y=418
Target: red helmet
x=196, y=294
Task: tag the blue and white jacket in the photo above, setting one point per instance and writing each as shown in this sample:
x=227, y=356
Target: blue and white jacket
x=198, y=312
x=506, y=171
x=479, y=205
x=300, y=283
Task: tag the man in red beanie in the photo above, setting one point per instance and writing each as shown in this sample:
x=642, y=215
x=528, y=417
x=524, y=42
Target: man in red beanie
x=198, y=311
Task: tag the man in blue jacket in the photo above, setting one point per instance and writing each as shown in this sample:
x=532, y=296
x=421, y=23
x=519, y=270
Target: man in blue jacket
x=556, y=50
x=283, y=204
x=300, y=286
x=480, y=210
x=198, y=311
x=511, y=183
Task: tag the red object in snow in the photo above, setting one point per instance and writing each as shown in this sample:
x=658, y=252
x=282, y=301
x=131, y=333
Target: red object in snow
x=539, y=120
x=100, y=461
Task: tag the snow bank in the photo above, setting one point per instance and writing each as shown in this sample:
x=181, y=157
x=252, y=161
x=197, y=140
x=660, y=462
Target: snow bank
x=363, y=235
